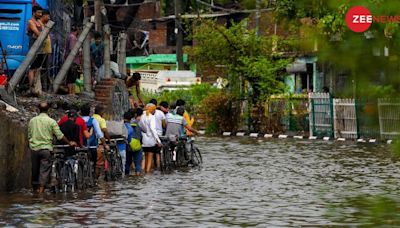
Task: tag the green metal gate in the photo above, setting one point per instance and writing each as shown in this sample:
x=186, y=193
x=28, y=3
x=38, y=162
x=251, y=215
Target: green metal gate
x=321, y=115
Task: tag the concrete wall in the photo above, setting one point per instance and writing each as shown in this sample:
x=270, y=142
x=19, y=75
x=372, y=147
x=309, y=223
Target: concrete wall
x=15, y=158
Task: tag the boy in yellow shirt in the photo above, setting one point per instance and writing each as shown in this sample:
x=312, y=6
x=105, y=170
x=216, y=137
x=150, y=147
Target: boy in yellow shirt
x=186, y=116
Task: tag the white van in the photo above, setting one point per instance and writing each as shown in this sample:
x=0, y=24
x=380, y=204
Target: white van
x=157, y=81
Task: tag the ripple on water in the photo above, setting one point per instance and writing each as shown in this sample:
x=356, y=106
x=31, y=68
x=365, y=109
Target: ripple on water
x=244, y=182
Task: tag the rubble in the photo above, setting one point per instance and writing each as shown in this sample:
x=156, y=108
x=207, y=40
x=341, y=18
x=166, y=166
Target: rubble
x=26, y=108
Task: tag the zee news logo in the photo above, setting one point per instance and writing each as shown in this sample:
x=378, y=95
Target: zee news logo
x=359, y=19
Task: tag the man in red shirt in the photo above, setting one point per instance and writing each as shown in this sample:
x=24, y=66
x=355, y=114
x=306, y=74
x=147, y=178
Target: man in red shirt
x=83, y=131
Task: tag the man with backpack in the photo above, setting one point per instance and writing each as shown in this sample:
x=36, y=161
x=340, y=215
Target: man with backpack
x=93, y=141
x=135, y=146
x=124, y=148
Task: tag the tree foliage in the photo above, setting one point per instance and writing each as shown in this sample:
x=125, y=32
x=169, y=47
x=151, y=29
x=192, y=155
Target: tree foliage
x=243, y=54
x=370, y=57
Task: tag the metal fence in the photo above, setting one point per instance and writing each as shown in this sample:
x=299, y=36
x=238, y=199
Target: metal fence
x=287, y=114
x=389, y=118
x=345, y=124
x=367, y=118
x=354, y=118
x=321, y=114
x=324, y=116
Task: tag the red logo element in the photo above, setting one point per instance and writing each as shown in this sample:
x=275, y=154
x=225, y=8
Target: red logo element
x=358, y=19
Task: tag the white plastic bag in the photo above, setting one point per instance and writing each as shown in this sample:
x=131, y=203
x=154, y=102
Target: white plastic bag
x=117, y=128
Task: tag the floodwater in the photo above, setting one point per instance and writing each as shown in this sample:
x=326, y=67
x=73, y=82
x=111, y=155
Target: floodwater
x=244, y=182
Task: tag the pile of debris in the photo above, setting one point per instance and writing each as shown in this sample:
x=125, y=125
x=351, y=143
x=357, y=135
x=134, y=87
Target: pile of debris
x=27, y=106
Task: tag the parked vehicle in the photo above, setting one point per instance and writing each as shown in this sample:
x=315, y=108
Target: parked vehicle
x=157, y=81
x=14, y=16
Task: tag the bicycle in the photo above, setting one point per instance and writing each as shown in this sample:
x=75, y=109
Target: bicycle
x=185, y=158
x=113, y=168
x=166, y=155
x=182, y=158
x=195, y=155
x=83, y=169
x=63, y=176
x=56, y=180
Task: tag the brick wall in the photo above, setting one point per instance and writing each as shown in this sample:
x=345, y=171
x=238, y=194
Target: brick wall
x=149, y=11
x=158, y=36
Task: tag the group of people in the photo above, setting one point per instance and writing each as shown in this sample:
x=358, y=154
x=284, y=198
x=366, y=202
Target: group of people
x=36, y=25
x=85, y=127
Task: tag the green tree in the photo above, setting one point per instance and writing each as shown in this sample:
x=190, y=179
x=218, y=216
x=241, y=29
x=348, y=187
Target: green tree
x=338, y=46
x=245, y=56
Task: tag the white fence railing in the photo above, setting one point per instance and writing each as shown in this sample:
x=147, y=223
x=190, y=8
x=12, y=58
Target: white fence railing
x=345, y=118
x=347, y=121
x=389, y=118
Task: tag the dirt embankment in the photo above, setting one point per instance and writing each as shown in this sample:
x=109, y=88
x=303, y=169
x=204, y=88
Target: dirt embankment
x=15, y=157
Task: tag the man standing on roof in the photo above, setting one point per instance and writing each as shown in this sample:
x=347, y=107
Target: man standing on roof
x=35, y=27
x=74, y=71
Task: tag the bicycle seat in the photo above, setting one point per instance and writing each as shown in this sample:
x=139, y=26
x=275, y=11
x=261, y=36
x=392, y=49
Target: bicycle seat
x=163, y=138
x=60, y=146
x=183, y=138
x=116, y=136
x=81, y=149
x=60, y=149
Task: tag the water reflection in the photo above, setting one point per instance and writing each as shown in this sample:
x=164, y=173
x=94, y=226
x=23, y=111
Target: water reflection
x=244, y=182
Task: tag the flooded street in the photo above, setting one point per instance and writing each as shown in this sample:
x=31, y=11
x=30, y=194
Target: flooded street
x=244, y=182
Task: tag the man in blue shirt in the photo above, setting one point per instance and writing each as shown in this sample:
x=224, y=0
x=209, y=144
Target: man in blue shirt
x=122, y=146
x=97, y=51
x=96, y=135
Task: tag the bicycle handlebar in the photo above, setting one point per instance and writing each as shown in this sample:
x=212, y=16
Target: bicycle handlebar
x=75, y=148
x=116, y=140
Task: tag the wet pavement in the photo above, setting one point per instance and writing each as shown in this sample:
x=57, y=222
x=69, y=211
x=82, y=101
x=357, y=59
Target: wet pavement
x=244, y=182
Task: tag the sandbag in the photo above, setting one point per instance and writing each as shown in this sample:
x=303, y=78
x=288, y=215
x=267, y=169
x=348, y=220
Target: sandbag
x=117, y=128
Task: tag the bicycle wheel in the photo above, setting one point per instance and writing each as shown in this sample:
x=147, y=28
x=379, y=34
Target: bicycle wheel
x=88, y=173
x=196, y=156
x=168, y=159
x=58, y=182
x=79, y=176
x=117, y=166
x=64, y=177
x=68, y=176
x=107, y=168
x=180, y=156
x=165, y=164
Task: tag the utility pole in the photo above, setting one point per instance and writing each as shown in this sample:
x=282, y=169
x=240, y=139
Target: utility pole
x=87, y=72
x=122, y=53
x=106, y=62
x=179, y=34
x=97, y=14
x=107, y=42
x=68, y=62
x=258, y=15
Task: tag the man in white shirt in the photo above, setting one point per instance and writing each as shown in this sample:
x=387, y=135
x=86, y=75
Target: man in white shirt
x=161, y=124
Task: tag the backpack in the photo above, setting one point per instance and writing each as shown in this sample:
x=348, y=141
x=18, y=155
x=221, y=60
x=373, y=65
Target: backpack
x=136, y=137
x=92, y=141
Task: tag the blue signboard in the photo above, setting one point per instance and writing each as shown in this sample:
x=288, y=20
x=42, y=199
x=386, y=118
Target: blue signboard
x=42, y=3
x=14, y=16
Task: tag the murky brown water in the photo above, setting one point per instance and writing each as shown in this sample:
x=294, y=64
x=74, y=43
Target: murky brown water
x=244, y=182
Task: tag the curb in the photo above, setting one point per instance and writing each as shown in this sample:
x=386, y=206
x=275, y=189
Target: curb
x=282, y=136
